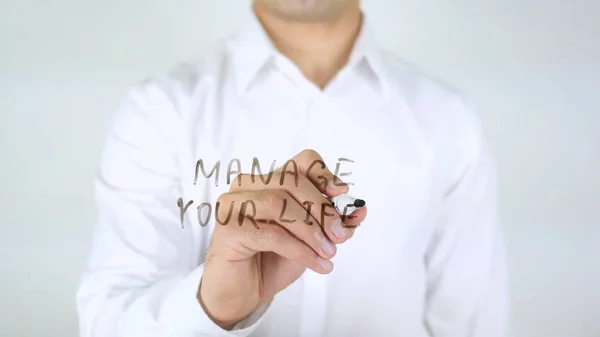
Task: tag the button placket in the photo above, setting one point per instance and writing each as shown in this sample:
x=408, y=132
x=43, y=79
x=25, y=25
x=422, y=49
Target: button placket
x=314, y=304
x=314, y=106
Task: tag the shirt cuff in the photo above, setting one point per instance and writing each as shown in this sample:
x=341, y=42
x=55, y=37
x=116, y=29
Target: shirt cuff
x=183, y=315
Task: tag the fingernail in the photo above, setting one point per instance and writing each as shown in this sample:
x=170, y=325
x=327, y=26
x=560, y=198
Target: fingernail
x=327, y=246
x=339, y=230
x=325, y=264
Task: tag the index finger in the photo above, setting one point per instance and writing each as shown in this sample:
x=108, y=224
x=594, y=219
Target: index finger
x=311, y=164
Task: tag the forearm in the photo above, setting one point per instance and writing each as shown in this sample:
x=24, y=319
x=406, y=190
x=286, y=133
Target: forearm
x=169, y=307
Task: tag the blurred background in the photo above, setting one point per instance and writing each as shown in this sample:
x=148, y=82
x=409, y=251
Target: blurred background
x=531, y=66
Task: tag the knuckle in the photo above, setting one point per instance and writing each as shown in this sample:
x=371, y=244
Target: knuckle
x=283, y=195
x=270, y=199
x=267, y=234
x=307, y=156
x=237, y=180
x=257, y=197
x=257, y=236
x=225, y=197
x=310, y=153
x=276, y=234
x=289, y=182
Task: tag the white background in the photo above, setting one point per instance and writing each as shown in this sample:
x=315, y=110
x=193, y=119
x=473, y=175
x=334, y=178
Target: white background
x=532, y=67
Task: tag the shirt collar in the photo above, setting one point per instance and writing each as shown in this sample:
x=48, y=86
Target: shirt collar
x=251, y=50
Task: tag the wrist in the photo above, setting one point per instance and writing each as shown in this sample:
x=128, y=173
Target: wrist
x=223, y=315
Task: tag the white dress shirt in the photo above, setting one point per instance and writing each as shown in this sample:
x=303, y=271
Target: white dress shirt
x=427, y=261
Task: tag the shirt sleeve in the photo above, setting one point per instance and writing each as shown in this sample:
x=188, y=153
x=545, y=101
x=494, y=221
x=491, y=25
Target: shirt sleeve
x=466, y=287
x=142, y=275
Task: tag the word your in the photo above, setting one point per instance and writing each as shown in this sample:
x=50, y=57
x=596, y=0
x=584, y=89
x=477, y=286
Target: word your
x=248, y=208
x=250, y=215
x=256, y=167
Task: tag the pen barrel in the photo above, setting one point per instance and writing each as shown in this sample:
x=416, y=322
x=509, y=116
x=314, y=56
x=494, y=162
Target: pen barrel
x=344, y=204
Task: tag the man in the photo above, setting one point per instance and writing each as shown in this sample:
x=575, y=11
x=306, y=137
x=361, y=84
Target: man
x=306, y=105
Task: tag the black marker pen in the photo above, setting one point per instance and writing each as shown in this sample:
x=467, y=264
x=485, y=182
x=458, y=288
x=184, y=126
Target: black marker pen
x=347, y=202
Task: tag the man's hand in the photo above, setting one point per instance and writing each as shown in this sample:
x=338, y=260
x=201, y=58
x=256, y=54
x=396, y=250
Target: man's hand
x=261, y=250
